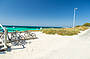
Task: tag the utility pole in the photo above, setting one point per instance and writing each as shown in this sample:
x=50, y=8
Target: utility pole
x=74, y=18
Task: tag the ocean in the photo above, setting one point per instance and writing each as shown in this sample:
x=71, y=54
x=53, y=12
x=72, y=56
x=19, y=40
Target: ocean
x=12, y=28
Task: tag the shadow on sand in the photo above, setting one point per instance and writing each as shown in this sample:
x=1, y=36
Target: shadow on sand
x=2, y=52
x=16, y=48
x=20, y=47
x=9, y=49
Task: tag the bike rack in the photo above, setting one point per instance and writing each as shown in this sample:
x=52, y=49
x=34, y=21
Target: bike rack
x=4, y=40
x=14, y=40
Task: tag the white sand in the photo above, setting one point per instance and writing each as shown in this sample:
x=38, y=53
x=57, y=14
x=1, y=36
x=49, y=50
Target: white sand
x=51, y=47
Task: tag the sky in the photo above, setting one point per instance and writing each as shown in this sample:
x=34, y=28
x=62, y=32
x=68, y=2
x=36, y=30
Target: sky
x=44, y=12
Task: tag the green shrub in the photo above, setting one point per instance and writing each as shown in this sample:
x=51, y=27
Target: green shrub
x=86, y=24
x=78, y=25
x=82, y=28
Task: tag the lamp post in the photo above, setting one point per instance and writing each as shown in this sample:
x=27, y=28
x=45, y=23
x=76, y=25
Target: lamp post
x=74, y=18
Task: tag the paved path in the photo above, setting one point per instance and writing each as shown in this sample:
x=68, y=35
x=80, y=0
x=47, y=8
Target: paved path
x=85, y=36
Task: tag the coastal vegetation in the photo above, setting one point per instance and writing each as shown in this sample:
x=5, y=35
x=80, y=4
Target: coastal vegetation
x=64, y=31
x=86, y=24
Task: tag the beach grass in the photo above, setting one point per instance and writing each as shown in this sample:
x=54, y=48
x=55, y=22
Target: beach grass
x=64, y=31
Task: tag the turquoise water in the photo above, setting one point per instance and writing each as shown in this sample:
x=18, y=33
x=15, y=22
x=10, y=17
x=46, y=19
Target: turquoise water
x=10, y=29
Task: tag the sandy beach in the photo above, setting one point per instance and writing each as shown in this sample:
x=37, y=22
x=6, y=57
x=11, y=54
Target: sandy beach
x=51, y=47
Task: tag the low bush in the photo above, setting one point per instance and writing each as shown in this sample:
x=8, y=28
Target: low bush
x=82, y=28
x=49, y=31
x=86, y=24
x=64, y=31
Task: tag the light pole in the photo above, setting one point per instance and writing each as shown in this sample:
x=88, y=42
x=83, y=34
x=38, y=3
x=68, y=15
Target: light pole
x=74, y=18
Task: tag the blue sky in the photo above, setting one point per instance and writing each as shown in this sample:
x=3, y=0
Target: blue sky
x=41, y=12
